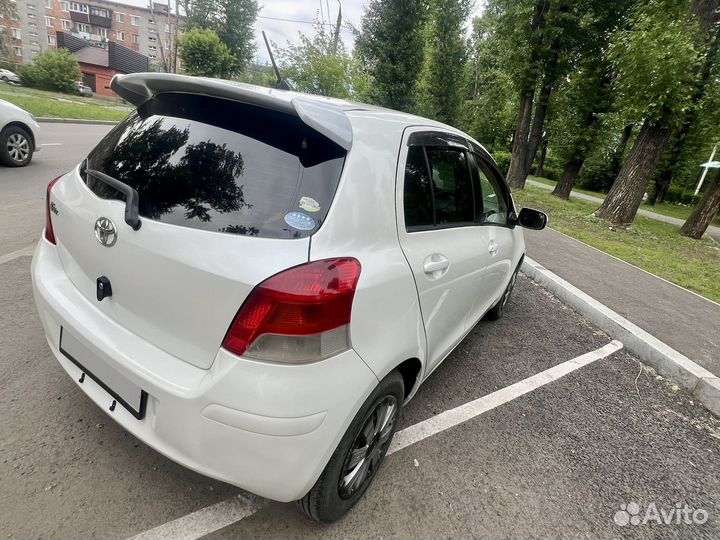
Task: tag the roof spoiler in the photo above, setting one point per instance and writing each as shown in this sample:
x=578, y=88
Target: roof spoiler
x=324, y=117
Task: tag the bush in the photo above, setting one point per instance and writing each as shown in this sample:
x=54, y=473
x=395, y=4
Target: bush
x=552, y=172
x=679, y=195
x=502, y=158
x=204, y=55
x=53, y=70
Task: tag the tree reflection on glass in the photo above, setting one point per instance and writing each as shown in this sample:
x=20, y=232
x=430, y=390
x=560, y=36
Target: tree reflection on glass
x=168, y=172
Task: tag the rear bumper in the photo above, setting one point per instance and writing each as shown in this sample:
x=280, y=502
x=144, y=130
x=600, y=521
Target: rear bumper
x=269, y=429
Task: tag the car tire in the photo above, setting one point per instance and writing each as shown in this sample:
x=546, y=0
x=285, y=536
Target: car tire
x=335, y=492
x=16, y=147
x=4, y=79
x=496, y=312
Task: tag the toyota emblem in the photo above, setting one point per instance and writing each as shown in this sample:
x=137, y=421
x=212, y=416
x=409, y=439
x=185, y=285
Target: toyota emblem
x=105, y=232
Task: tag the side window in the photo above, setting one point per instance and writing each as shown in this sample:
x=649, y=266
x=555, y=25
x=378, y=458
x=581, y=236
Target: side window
x=452, y=187
x=417, y=198
x=494, y=208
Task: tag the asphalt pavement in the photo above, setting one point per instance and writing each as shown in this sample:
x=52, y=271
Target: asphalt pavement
x=576, y=456
x=689, y=323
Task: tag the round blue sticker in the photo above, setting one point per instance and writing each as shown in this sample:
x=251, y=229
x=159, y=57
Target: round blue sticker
x=300, y=221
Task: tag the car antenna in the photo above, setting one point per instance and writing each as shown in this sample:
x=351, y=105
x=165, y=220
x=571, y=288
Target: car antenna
x=280, y=84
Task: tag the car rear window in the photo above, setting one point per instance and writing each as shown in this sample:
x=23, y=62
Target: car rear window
x=221, y=165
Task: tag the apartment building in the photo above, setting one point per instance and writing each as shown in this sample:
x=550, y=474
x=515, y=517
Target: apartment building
x=147, y=30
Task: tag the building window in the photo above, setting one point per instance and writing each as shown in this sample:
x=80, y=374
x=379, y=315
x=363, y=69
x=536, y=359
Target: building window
x=135, y=20
x=66, y=25
x=103, y=32
x=16, y=33
x=65, y=6
x=120, y=36
x=30, y=6
x=81, y=27
x=152, y=56
x=150, y=38
x=48, y=4
x=18, y=51
x=14, y=16
x=167, y=28
x=100, y=12
x=152, y=48
x=82, y=8
x=31, y=15
x=136, y=39
x=51, y=40
x=50, y=22
x=120, y=17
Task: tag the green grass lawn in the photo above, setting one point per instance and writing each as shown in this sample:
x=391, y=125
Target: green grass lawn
x=666, y=209
x=651, y=245
x=55, y=105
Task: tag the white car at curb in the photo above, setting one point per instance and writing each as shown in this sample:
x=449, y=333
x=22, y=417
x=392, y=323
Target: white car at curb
x=19, y=135
x=254, y=281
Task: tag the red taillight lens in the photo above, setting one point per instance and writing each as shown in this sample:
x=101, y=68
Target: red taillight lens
x=49, y=233
x=298, y=315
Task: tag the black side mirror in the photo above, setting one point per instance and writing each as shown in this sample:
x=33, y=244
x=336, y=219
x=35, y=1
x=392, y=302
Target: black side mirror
x=532, y=219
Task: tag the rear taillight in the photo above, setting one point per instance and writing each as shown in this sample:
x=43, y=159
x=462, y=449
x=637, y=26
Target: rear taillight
x=49, y=233
x=299, y=315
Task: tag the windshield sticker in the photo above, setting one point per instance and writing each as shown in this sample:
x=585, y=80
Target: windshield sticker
x=300, y=221
x=309, y=204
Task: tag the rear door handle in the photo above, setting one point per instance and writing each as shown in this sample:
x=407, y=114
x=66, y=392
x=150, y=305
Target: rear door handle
x=435, y=263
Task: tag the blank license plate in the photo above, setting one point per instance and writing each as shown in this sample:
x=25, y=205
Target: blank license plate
x=129, y=395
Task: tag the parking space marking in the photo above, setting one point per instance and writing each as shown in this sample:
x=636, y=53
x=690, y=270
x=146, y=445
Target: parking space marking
x=223, y=514
x=463, y=413
x=24, y=252
x=205, y=521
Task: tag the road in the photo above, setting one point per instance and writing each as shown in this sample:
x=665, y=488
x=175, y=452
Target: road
x=554, y=460
x=712, y=230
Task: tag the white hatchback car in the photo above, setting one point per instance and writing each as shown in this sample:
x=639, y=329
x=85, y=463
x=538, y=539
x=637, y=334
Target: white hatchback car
x=19, y=135
x=253, y=281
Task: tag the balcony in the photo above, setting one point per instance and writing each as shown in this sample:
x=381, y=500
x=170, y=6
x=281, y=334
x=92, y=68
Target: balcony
x=79, y=16
x=101, y=17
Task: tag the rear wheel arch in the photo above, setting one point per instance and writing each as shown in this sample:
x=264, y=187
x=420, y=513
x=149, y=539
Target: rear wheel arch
x=410, y=370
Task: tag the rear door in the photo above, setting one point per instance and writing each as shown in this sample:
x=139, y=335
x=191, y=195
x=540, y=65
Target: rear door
x=445, y=246
x=229, y=195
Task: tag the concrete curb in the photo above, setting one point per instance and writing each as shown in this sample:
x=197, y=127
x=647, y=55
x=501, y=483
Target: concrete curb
x=667, y=361
x=76, y=121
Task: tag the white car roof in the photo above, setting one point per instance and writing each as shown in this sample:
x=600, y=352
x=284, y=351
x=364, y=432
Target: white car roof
x=325, y=115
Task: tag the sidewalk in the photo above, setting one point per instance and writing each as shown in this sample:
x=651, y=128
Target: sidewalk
x=683, y=320
x=711, y=231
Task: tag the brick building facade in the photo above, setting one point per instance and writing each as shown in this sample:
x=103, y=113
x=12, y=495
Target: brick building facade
x=129, y=23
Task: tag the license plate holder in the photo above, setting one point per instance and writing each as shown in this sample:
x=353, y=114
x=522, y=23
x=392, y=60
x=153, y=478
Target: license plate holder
x=130, y=396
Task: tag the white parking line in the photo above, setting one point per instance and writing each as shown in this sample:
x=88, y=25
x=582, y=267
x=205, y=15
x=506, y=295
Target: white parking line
x=220, y=515
x=24, y=252
x=463, y=413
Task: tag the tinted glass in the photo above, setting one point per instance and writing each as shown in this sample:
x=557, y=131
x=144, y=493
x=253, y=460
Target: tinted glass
x=494, y=209
x=220, y=165
x=452, y=188
x=417, y=196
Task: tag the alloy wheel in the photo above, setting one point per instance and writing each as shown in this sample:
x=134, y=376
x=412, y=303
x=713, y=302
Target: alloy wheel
x=368, y=448
x=18, y=147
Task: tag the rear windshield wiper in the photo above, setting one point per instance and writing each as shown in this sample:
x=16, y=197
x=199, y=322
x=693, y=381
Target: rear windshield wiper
x=132, y=198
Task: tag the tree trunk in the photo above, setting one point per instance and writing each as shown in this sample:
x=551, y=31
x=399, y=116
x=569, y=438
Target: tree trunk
x=538, y=122
x=516, y=172
x=623, y=201
x=569, y=176
x=704, y=212
x=662, y=183
x=543, y=154
x=515, y=177
x=617, y=158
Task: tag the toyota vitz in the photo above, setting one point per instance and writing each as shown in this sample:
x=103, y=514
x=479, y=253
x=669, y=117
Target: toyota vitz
x=254, y=281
